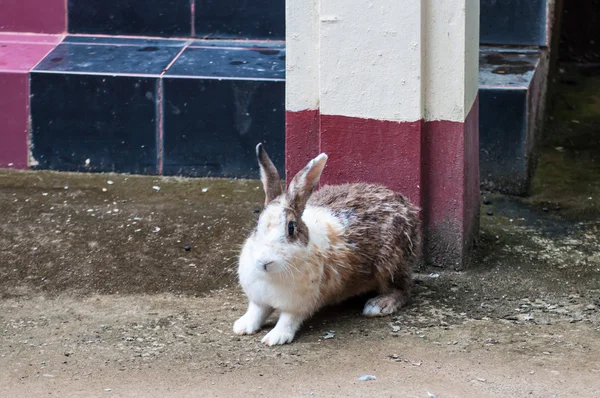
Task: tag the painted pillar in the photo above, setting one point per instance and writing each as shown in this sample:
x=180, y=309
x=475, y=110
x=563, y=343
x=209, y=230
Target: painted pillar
x=388, y=90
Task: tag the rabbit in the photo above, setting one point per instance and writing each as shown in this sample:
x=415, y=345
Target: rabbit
x=315, y=248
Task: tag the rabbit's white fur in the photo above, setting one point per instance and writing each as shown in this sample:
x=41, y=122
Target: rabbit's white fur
x=286, y=284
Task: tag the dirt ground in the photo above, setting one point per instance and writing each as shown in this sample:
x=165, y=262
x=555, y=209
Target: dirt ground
x=99, y=296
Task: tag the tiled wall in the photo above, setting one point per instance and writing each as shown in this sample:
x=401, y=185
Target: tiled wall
x=244, y=19
x=175, y=107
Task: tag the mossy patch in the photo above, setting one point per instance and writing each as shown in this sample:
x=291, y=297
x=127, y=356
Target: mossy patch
x=568, y=171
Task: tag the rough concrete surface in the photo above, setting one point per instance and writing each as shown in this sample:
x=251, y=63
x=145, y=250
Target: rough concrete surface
x=96, y=301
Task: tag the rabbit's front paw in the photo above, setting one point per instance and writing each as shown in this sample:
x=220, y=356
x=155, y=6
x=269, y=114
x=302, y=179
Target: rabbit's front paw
x=278, y=336
x=246, y=325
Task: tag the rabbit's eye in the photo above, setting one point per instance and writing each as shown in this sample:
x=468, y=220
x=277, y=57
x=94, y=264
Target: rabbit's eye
x=291, y=227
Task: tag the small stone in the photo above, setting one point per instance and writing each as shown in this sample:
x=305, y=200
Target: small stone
x=431, y=395
x=329, y=335
x=109, y=182
x=204, y=190
x=104, y=189
x=187, y=248
x=395, y=329
x=156, y=188
x=87, y=162
x=155, y=229
x=256, y=211
x=545, y=209
x=108, y=389
x=486, y=201
x=367, y=378
x=532, y=372
x=489, y=213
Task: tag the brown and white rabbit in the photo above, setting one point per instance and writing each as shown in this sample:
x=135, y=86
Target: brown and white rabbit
x=314, y=249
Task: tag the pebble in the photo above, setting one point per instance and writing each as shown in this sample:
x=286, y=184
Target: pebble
x=329, y=335
x=104, y=189
x=545, y=209
x=431, y=395
x=489, y=213
x=256, y=211
x=486, y=201
x=156, y=188
x=187, y=248
x=155, y=229
x=109, y=182
x=367, y=378
x=205, y=190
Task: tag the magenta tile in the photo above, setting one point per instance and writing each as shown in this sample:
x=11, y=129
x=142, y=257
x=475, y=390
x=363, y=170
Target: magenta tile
x=14, y=115
x=19, y=57
x=34, y=16
x=10, y=37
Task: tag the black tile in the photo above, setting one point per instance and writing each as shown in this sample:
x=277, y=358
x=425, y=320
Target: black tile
x=167, y=18
x=109, y=120
x=250, y=19
x=68, y=57
x=514, y=22
x=503, y=138
x=125, y=41
x=265, y=63
x=211, y=127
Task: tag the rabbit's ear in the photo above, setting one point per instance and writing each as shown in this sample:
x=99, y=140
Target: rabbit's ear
x=305, y=182
x=268, y=175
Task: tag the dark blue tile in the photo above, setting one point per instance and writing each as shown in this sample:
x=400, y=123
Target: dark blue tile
x=108, y=59
x=503, y=139
x=507, y=68
x=125, y=41
x=109, y=120
x=266, y=63
x=211, y=127
x=249, y=19
x=166, y=18
x=514, y=22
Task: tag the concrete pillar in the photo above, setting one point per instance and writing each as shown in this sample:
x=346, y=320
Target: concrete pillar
x=388, y=89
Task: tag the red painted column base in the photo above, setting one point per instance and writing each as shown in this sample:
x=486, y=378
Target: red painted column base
x=435, y=164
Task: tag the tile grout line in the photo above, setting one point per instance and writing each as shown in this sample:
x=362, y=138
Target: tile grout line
x=160, y=126
x=160, y=111
x=193, y=18
x=185, y=47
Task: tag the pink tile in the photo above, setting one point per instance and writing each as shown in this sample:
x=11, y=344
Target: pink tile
x=33, y=38
x=35, y=16
x=14, y=97
x=19, y=57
